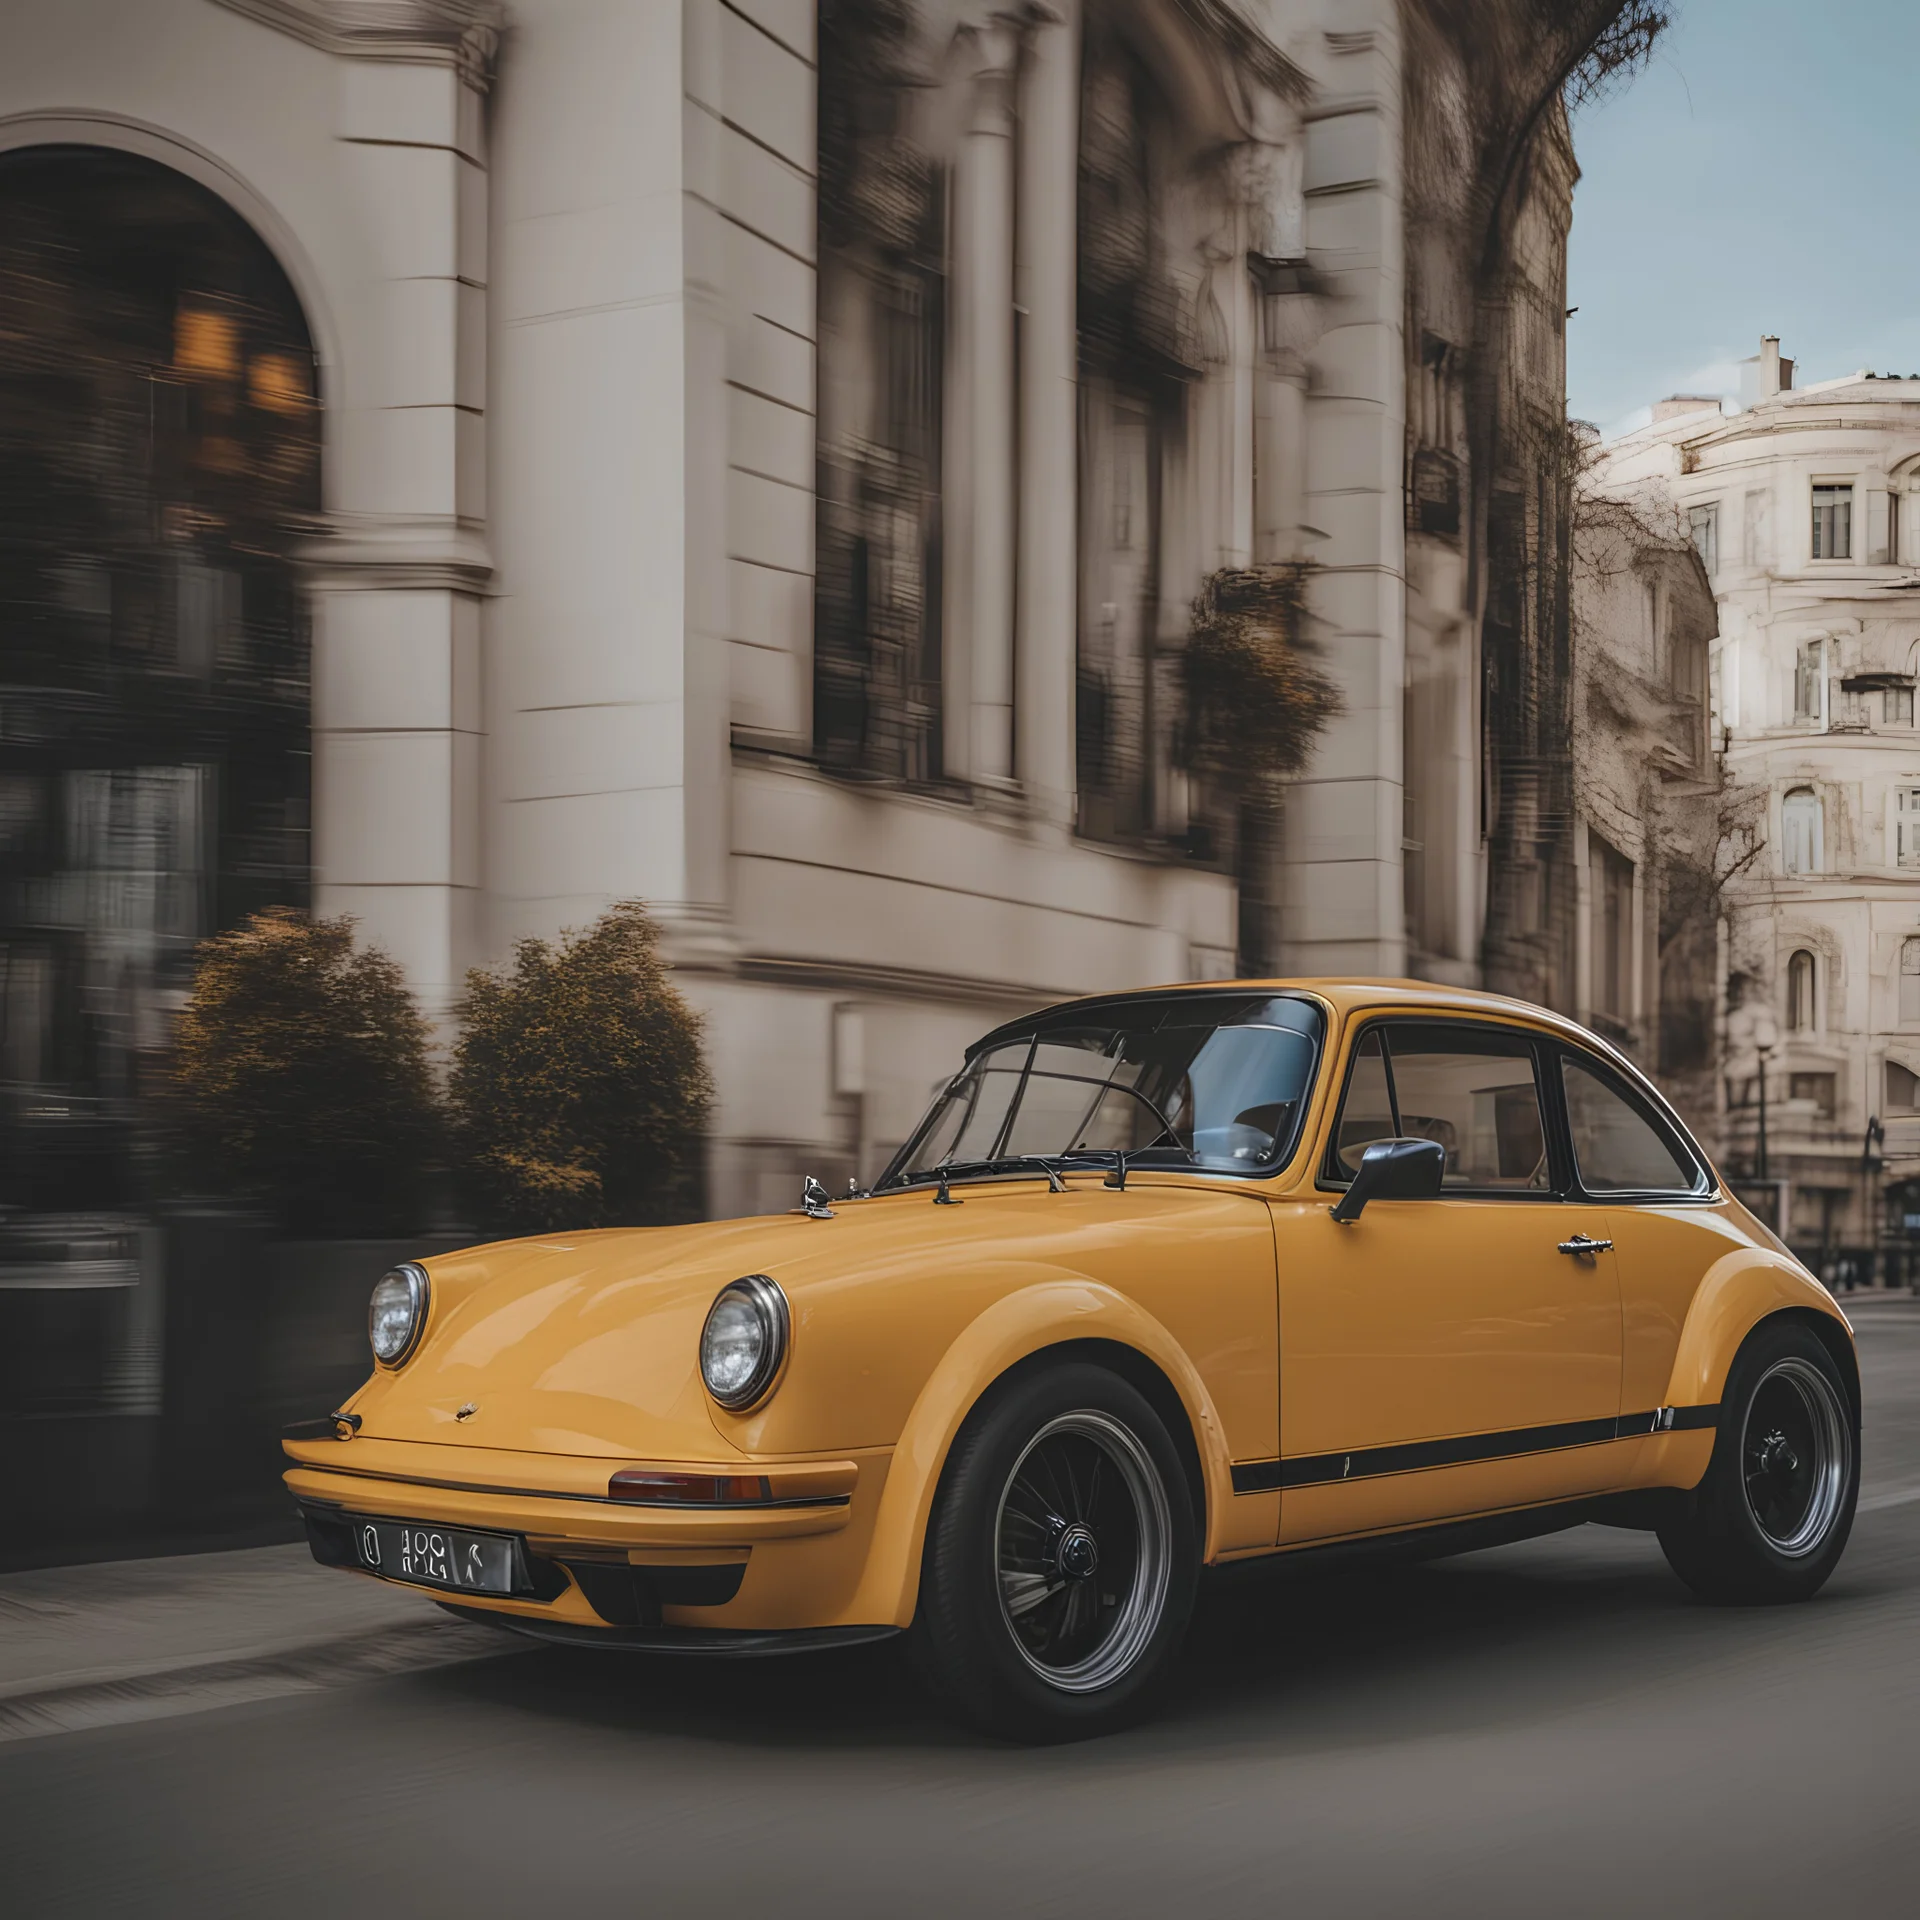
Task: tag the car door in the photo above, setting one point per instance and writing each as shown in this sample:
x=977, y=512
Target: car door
x=1661, y=1213
x=1446, y=1357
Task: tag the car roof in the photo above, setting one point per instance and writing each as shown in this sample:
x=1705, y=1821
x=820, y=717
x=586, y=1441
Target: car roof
x=1345, y=994
x=1349, y=994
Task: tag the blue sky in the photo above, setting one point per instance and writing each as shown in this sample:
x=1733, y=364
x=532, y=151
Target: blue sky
x=1761, y=176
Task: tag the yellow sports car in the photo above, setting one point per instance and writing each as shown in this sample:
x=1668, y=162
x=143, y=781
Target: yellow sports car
x=1163, y=1280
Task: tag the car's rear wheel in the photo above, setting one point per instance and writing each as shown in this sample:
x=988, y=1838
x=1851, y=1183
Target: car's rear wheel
x=1770, y=1518
x=1061, y=1559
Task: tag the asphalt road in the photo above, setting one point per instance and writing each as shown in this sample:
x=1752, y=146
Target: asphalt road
x=1548, y=1729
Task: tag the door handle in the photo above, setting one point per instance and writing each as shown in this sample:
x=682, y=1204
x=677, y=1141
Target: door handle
x=1580, y=1244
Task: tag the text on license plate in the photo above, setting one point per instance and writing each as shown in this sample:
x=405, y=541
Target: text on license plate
x=436, y=1556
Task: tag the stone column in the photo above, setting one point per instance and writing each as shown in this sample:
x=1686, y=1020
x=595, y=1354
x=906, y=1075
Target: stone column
x=1049, y=535
x=1289, y=326
x=1345, y=821
x=981, y=504
x=399, y=580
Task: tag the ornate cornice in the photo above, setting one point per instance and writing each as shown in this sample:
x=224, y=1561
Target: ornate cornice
x=464, y=34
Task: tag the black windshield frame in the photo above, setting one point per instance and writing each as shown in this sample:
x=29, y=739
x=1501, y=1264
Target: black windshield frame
x=1142, y=1013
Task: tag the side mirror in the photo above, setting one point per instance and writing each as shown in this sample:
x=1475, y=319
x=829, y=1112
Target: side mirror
x=1394, y=1170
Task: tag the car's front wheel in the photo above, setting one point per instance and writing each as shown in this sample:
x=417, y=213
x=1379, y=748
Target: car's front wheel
x=1770, y=1518
x=1061, y=1559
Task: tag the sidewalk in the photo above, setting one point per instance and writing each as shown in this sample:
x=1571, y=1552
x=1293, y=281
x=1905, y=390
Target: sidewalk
x=91, y=1646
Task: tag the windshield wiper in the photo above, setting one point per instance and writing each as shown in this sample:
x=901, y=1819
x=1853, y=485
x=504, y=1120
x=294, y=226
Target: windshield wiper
x=1121, y=1158
x=1051, y=1164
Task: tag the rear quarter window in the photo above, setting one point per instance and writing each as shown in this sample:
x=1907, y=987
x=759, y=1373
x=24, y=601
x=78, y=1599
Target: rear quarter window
x=1619, y=1146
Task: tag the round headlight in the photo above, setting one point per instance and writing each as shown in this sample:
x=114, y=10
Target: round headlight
x=744, y=1343
x=397, y=1312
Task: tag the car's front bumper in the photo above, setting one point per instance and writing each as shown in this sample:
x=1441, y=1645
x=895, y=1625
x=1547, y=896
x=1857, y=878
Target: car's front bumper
x=590, y=1563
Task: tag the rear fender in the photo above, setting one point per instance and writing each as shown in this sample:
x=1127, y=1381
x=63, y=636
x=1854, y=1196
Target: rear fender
x=1742, y=1289
x=1013, y=1329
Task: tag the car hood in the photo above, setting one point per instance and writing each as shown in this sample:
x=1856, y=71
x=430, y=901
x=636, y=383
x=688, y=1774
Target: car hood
x=588, y=1343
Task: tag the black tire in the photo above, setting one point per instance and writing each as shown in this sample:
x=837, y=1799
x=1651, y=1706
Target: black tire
x=1065, y=1480
x=1770, y=1518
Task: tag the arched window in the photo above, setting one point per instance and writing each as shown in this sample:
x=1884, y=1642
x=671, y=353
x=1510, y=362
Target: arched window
x=159, y=473
x=1802, y=832
x=1909, y=982
x=1801, y=977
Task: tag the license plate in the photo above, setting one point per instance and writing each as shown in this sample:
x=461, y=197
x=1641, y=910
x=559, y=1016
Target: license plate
x=429, y=1556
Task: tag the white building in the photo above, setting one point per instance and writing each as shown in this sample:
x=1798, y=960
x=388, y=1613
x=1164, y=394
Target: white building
x=1647, y=782
x=1805, y=507
x=812, y=568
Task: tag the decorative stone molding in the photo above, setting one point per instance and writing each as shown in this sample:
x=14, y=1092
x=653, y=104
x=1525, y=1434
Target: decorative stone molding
x=359, y=552
x=1254, y=56
x=464, y=34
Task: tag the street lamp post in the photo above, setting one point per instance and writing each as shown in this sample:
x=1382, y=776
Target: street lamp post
x=1751, y=1027
x=1763, y=1048
x=1871, y=1163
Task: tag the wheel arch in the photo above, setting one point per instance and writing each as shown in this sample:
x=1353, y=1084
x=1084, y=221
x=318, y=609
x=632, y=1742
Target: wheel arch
x=1832, y=1333
x=1140, y=1372
x=1038, y=1327
x=1736, y=1295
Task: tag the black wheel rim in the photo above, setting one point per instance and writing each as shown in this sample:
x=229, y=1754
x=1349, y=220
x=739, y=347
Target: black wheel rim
x=1083, y=1551
x=1795, y=1457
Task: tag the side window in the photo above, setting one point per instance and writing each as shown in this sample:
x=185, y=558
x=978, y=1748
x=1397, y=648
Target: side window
x=1616, y=1147
x=1366, y=1114
x=1475, y=1092
x=1472, y=1089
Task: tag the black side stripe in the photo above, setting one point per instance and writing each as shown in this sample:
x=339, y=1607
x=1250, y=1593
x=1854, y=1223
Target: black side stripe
x=1415, y=1456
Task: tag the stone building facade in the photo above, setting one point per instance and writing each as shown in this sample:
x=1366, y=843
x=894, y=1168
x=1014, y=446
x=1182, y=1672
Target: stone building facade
x=1805, y=508
x=1647, y=798
x=762, y=457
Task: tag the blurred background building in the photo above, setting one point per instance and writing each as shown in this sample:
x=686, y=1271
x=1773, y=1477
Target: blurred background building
x=1647, y=826
x=1802, y=507
x=467, y=464
x=463, y=464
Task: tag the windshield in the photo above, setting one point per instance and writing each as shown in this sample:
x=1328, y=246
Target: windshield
x=1215, y=1080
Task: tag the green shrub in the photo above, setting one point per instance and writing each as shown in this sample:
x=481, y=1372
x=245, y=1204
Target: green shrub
x=579, y=1093
x=300, y=1080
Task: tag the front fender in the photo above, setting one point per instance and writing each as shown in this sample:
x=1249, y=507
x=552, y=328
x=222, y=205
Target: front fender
x=1740, y=1290
x=1011, y=1330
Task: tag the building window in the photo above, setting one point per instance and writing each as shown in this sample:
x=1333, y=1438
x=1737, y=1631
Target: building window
x=1906, y=827
x=1909, y=982
x=1611, y=894
x=1833, y=523
x=1802, y=976
x=1705, y=523
x=1815, y=1088
x=1687, y=666
x=1802, y=832
x=1810, y=683
x=1897, y=707
x=877, y=588
x=1903, y=1088
x=160, y=450
x=1883, y=538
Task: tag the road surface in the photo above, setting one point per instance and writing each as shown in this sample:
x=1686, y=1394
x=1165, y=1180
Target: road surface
x=1542, y=1730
